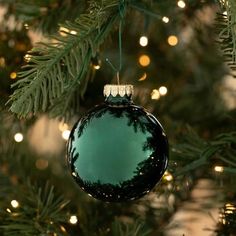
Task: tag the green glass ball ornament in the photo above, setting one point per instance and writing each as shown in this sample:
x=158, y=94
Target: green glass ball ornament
x=117, y=151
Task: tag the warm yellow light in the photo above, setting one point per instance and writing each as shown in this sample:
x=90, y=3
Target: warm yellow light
x=27, y=57
x=96, y=67
x=219, y=169
x=172, y=40
x=13, y=75
x=165, y=19
x=41, y=164
x=155, y=95
x=63, y=126
x=143, y=41
x=73, y=220
x=26, y=26
x=168, y=176
x=73, y=32
x=8, y=210
x=144, y=60
x=14, y=203
x=163, y=90
x=18, y=137
x=225, y=13
x=143, y=77
x=65, y=134
x=63, y=31
x=181, y=4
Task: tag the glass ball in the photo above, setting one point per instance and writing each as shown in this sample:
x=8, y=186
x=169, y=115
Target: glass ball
x=117, y=151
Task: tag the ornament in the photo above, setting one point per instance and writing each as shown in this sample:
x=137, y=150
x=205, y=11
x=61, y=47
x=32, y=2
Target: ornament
x=118, y=151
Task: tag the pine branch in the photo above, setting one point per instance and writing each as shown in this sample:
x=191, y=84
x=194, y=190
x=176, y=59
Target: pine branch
x=227, y=31
x=57, y=69
x=197, y=152
x=41, y=206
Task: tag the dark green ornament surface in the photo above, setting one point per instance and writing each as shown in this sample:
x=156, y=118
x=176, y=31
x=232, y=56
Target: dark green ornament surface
x=118, y=151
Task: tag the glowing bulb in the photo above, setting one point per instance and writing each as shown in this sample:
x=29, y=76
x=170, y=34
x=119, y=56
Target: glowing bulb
x=26, y=26
x=155, y=95
x=27, y=57
x=96, y=67
x=168, y=176
x=18, y=137
x=143, y=41
x=162, y=90
x=13, y=75
x=14, y=203
x=65, y=134
x=73, y=220
x=73, y=32
x=172, y=40
x=219, y=169
x=181, y=4
x=165, y=19
x=144, y=60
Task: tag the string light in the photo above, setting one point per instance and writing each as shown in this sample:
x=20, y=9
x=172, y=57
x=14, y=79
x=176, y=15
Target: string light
x=219, y=169
x=168, y=176
x=27, y=57
x=155, y=95
x=65, y=134
x=73, y=32
x=143, y=41
x=181, y=4
x=73, y=220
x=225, y=13
x=172, y=40
x=13, y=75
x=18, y=137
x=14, y=203
x=143, y=77
x=163, y=90
x=96, y=67
x=165, y=19
x=26, y=26
x=144, y=60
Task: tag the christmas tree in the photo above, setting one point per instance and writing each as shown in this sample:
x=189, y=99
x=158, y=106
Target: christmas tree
x=55, y=58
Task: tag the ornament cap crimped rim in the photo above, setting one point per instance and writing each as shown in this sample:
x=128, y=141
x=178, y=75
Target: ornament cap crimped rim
x=121, y=90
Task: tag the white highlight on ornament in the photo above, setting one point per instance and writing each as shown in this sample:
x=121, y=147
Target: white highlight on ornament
x=163, y=90
x=14, y=203
x=143, y=41
x=18, y=137
x=219, y=169
x=155, y=95
x=165, y=19
x=65, y=134
x=73, y=220
x=181, y=4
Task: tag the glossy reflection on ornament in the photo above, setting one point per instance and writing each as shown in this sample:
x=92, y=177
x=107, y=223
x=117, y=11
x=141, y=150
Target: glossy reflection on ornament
x=118, y=151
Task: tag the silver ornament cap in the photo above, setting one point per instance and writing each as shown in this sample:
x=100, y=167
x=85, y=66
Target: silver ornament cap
x=121, y=90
